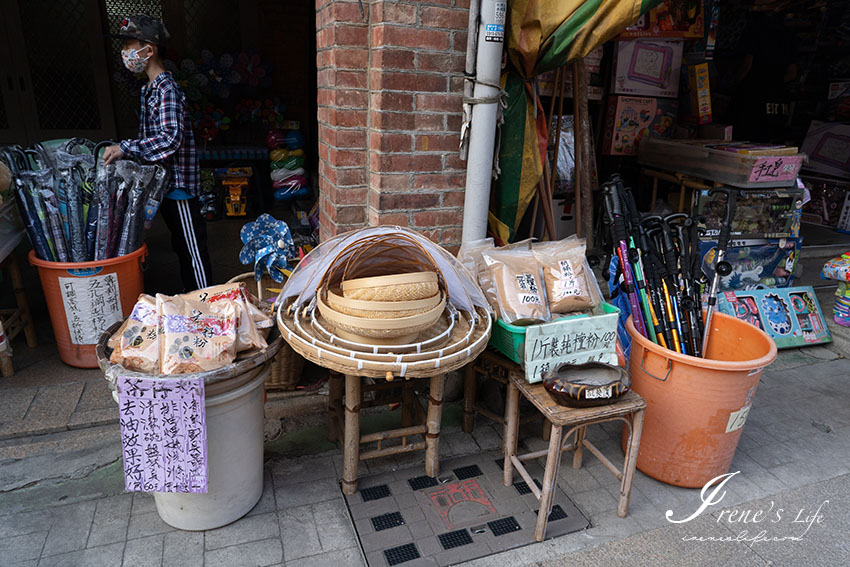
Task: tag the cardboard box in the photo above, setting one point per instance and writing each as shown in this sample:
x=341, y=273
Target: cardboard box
x=828, y=197
x=697, y=105
x=595, y=87
x=647, y=67
x=629, y=119
x=715, y=131
x=828, y=146
x=760, y=213
x=671, y=18
x=755, y=263
x=791, y=316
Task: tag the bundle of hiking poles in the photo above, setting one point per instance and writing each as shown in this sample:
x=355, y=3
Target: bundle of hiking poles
x=659, y=260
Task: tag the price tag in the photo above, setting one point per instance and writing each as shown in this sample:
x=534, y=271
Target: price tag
x=598, y=393
x=737, y=419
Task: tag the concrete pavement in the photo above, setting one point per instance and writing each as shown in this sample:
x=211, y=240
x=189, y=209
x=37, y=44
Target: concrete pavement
x=793, y=452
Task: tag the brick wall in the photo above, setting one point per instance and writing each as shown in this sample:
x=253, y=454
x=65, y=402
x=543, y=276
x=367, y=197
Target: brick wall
x=389, y=112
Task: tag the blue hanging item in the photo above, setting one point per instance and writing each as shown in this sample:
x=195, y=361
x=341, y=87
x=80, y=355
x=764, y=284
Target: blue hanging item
x=294, y=139
x=267, y=244
x=620, y=300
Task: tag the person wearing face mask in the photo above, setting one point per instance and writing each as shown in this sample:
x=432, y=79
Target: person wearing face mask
x=165, y=138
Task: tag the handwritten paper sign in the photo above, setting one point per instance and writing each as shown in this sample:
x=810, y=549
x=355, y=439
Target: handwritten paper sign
x=775, y=168
x=574, y=341
x=92, y=305
x=163, y=434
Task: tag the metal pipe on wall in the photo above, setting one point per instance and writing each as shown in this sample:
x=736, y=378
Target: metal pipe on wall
x=482, y=131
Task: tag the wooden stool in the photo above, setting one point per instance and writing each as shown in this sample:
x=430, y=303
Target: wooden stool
x=490, y=364
x=629, y=409
x=344, y=423
x=18, y=319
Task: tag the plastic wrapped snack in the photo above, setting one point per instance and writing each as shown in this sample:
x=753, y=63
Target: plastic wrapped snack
x=517, y=283
x=565, y=274
x=250, y=318
x=136, y=345
x=194, y=337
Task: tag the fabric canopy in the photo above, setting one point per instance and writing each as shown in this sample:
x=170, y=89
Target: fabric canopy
x=543, y=35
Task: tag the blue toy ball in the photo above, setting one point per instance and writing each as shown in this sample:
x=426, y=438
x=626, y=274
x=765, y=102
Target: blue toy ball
x=288, y=193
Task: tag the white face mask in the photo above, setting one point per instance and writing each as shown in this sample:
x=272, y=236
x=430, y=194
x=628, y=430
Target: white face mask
x=133, y=61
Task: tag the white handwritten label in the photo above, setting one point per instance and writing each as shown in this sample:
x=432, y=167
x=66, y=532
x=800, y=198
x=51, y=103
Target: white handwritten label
x=598, y=393
x=566, y=285
x=529, y=292
x=92, y=305
x=737, y=419
x=573, y=340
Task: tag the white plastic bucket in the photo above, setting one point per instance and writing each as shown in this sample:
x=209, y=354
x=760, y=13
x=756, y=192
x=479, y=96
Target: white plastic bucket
x=234, y=457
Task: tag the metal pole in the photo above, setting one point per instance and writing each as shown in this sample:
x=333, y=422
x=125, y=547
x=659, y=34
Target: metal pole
x=482, y=133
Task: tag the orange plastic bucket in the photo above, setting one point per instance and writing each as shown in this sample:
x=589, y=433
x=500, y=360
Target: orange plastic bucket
x=696, y=407
x=86, y=298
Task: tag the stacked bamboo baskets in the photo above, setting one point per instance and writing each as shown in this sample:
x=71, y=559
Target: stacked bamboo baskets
x=383, y=308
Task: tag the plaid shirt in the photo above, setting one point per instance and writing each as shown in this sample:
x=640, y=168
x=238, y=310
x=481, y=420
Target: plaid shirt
x=165, y=134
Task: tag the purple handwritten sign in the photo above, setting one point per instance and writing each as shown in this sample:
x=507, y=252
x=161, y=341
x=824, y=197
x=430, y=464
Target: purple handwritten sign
x=775, y=168
x=163, y=434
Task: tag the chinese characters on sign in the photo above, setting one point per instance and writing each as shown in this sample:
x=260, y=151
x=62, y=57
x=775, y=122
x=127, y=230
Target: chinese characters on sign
x=775, y=168
x=163, y=434
x=92, y=304
x=574, y=342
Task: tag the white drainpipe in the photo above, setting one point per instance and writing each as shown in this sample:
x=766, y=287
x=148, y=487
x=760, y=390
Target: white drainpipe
x=482, y=132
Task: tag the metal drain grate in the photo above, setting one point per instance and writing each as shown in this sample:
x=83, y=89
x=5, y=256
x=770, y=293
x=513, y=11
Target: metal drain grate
x=387, y=521
x=557, y=513
x=401, y=554
x=523, y=488
x=471, y=471
x=375, y=492
x=503, y=526
x=454, y=539
x=420, y=482
x=500, y=463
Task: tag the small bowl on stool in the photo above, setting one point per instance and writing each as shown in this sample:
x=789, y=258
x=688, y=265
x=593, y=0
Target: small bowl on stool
x=586, y=385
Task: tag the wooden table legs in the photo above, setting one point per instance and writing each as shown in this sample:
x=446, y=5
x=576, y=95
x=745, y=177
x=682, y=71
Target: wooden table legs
x=550, y=480
x=346, y=417
x=432, y=435
x=351, y=441
x=469, y=393
x=631, y=462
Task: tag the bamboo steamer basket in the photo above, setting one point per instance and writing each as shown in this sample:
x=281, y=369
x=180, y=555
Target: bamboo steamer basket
x=288, y=365
x=399, y=330
x=380, y=309
x=396, y=287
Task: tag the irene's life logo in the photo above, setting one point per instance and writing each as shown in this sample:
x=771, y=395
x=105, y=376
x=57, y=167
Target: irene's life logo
x=770, y=523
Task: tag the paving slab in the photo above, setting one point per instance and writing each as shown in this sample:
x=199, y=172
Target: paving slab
x=111, y=518
x=183, y=549
x=299, y=533
x=48, y=411
x=70, y=528
x=103, y=556
x=254, y=554
x=248, y=529
x=144, y=552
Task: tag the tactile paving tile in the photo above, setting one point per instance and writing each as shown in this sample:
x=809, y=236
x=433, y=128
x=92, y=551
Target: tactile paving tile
x=401, y=554
x=420, y=482
x=471, y=471
x=457, y=538
x=460, y=516
x=387, y=521
x=504, y=526
x=375, y=492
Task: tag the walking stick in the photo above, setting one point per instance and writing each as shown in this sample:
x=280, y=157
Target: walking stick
x=618, y=229
x=721, y=266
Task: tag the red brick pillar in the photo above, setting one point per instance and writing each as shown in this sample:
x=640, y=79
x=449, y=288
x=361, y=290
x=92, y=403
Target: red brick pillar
x=415, y=55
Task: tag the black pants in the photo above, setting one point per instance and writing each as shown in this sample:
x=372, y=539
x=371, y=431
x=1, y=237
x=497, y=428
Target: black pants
x=189, y=240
